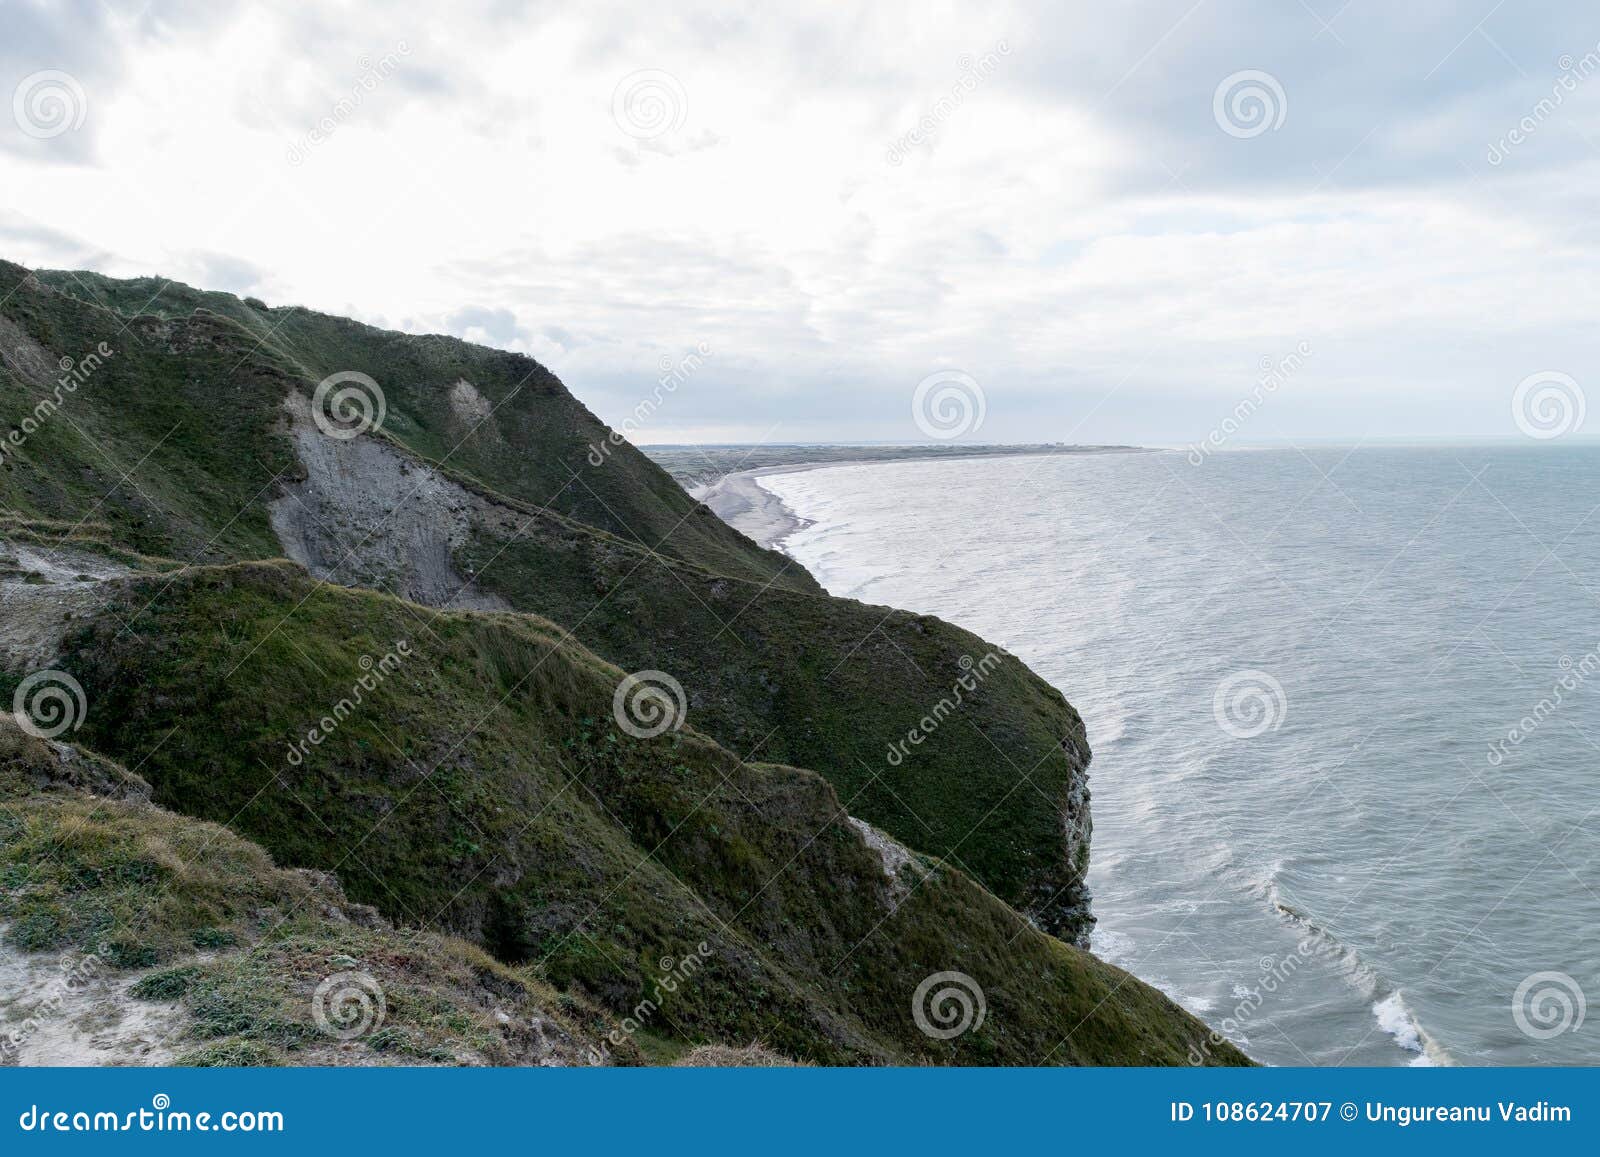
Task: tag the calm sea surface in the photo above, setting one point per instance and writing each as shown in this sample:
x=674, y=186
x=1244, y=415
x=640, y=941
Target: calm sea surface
x=1345, y=710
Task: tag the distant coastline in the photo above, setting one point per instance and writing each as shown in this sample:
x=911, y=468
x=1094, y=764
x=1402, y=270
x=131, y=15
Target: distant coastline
x=750, y=508
x=725, y=478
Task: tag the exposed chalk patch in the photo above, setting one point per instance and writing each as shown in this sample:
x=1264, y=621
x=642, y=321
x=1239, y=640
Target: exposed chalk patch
x=367, y=515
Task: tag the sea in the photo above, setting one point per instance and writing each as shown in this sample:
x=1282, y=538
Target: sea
x=1344, y=703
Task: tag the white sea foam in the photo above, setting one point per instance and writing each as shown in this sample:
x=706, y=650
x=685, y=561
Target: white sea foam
x=1114, y=947
x=1396, y=1019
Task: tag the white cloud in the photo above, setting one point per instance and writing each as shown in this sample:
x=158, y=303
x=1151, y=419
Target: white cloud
x=1072, y=228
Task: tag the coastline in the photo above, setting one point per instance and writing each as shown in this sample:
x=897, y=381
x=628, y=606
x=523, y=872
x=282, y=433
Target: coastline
x=750, y=508
x=743, y=503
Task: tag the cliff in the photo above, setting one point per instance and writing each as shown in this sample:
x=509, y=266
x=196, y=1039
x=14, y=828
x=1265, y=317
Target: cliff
x=429, y=702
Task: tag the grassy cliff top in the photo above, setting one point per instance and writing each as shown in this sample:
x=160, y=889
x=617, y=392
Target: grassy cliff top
x=190, y=945
x=197, y=379
x=481, y=787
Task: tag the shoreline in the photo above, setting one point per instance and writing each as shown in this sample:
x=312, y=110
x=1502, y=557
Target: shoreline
x=751, y=509
x=756, y=512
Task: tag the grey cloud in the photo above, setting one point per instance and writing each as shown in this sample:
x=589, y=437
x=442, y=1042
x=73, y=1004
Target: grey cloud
x=1352, y=85
x=232, y=274
x=88, y=41
x=1131, y=308
x=21, y=238
x=500, y=325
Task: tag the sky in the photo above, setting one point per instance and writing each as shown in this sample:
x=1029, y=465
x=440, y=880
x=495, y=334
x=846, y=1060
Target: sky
x=1164, y=223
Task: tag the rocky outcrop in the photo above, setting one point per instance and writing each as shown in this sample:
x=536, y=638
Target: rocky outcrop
x=42, y=590
x=366, y=514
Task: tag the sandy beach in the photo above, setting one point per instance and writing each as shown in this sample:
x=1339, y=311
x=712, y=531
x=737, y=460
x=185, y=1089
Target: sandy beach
x=741, y=501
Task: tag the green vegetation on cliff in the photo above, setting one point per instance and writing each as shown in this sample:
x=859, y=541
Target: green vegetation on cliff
x=466, y=772
x=178, y=443
x=151, y=907
x=481, y=785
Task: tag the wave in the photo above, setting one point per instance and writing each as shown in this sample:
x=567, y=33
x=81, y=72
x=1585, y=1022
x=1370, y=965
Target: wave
x=1400, y=1023
x=1388, y=1007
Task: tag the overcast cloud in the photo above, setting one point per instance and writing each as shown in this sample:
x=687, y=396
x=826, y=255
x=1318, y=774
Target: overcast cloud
x=840, y=200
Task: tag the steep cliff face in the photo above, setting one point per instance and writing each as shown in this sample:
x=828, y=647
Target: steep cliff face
x=492, y=789
x=987, y=775
x=365, y=513
x=478, y=488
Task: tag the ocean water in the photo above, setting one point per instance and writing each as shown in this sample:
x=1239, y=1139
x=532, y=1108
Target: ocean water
x=1345, y=711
